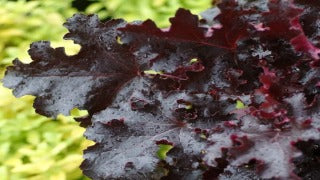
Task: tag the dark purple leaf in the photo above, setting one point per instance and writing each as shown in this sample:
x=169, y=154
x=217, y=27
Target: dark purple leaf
x=144, y=87
x=61, y=82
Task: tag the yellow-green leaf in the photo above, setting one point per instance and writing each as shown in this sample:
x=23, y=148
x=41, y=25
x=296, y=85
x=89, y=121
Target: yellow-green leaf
x=163, y=150
x=240, y=105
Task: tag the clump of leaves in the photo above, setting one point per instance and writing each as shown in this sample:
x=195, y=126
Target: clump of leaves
x=232, y=95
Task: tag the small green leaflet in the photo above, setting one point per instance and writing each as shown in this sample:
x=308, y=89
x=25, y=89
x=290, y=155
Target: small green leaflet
x=163, y=150
x=240, y=105
x=189, y=107
x=194, y=60
x=152, y=72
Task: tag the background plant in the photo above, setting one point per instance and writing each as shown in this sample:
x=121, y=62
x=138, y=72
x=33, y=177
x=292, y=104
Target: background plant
x=157, y=10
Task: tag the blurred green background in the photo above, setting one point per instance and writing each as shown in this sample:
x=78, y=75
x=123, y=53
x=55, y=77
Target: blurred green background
x=32, y=146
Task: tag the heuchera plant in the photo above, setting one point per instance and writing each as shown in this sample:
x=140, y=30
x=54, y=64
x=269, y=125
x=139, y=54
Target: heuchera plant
x=234, y=95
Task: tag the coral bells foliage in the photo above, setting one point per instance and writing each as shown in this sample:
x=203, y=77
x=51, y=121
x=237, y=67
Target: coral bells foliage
x=234, y=95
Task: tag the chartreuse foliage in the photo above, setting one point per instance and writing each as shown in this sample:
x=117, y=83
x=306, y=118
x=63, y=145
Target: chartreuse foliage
x=157, y=10
x=22, y=22
x=35, y=147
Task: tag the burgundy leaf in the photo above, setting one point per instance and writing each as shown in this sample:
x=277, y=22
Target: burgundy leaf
x=234, y=24
x=236, y=94
x=128, y=136
x=88, y=80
